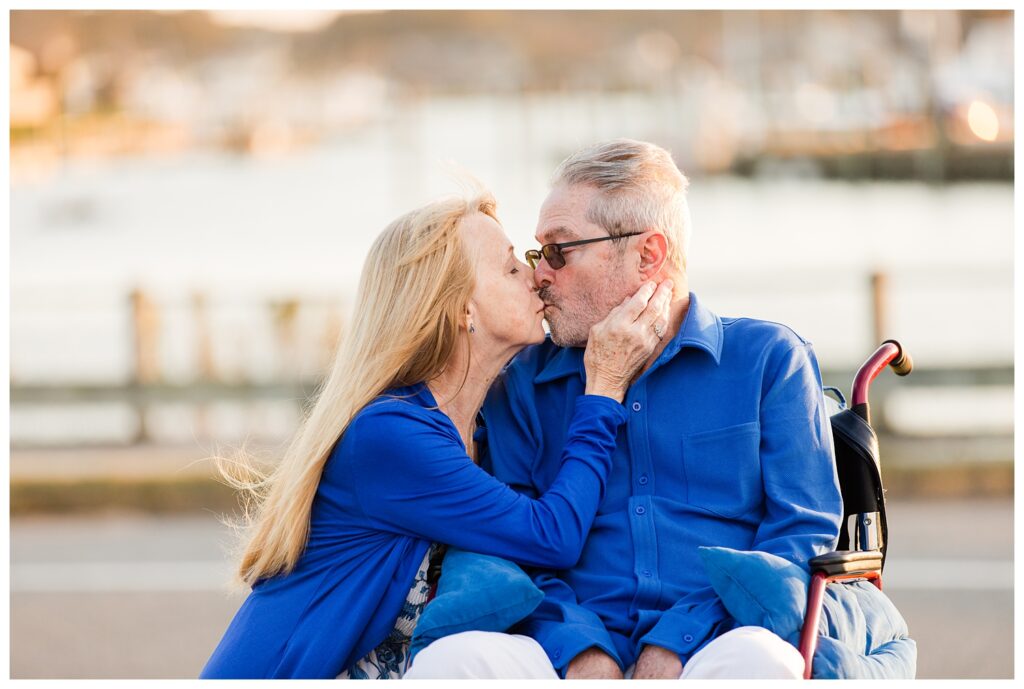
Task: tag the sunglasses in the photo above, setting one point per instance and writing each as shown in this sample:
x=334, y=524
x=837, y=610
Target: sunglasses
x=552, y=253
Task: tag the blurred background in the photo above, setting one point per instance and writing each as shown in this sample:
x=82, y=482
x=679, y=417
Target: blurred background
x=193, y=193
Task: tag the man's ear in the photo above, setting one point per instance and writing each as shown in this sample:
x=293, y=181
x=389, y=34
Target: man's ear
x=653, y=253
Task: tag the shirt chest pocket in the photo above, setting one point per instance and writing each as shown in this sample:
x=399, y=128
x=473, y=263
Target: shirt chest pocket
x=723, y=469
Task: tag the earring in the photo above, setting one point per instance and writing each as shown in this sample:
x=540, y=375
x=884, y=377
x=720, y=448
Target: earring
x=472, y=328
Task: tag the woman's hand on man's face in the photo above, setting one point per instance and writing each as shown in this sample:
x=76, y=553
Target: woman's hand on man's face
x=619, y=345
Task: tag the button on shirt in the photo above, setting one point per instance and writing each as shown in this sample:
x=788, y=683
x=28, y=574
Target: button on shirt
x=727, y=443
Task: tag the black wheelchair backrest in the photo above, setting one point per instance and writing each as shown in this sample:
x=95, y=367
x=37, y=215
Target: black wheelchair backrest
x=860, y=481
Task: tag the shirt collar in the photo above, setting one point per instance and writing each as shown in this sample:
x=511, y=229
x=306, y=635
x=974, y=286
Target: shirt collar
x=701, y=329
x=565, y=362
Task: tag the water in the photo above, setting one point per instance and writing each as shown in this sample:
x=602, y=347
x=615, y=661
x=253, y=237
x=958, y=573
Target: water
x=248, y=230
x=795, y=251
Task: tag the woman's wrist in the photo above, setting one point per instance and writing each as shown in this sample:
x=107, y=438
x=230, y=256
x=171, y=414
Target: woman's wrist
x=605, y=389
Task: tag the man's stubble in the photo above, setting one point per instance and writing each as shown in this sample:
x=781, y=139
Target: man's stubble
x=573, y=315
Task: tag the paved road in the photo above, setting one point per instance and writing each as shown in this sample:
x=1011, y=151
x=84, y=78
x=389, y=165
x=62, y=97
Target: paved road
x=133, y=596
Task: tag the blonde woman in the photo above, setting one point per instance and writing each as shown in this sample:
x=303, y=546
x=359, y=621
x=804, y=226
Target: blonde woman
x=382, y=470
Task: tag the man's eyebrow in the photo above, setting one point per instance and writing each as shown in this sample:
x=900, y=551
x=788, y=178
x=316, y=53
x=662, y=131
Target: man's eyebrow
x=559, y=232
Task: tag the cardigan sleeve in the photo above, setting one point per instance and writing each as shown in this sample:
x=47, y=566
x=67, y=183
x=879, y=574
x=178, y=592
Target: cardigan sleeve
x=412, y=476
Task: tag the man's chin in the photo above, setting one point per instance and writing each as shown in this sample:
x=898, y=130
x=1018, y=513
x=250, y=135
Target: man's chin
x=560, y=339
x=562, y=332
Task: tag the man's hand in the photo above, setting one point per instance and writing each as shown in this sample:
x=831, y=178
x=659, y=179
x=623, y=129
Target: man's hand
x=593, y=663
x=656, y=662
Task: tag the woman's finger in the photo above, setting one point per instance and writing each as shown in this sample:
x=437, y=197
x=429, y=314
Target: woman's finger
x=659, y=304
x=633, y=306
x=660, y=326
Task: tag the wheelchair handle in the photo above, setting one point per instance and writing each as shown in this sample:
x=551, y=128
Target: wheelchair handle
x=903, y=364
x=890, y=353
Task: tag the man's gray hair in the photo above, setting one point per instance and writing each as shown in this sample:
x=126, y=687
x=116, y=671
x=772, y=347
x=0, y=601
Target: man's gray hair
x=640, y=188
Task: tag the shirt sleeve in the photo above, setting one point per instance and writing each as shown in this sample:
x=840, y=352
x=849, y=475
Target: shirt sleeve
x=412, y=475
x=690, y=624
x=803, y=505
x=563, y=627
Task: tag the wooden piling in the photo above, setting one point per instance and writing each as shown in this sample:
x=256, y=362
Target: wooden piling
x=284, y=315
x=879, y=308
x=204, y=359
x=145, y=322
x=204, y=340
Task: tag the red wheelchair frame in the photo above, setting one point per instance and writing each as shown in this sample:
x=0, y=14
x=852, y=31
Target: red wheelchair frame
x=864, y=531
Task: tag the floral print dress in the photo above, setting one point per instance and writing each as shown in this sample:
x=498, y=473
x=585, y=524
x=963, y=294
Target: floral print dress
x=390, y=660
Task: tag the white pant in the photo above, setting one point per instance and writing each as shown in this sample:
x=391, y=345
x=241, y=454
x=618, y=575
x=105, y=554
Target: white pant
x=743, y=653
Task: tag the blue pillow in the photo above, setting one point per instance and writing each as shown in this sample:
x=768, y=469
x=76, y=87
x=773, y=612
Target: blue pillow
x=475, y=593
x=759, y=589
x=861, y=633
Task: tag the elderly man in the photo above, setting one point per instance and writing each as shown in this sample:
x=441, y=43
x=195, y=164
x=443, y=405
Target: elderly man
x=728, y=444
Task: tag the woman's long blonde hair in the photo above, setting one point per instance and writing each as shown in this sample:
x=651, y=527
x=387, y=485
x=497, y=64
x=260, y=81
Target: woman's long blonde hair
x=410, y=307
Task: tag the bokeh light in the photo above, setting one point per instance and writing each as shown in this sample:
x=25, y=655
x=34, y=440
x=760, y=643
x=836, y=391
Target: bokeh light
x=983, y=121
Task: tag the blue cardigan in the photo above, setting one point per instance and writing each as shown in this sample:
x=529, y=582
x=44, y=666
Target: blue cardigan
x=398, y=480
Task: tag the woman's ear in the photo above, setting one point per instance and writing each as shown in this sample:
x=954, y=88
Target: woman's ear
x=653, y=253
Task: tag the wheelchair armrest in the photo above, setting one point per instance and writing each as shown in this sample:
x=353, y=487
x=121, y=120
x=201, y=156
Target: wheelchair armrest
x=847, y=562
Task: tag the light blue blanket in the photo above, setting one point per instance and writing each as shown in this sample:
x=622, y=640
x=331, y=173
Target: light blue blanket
x=861, y=633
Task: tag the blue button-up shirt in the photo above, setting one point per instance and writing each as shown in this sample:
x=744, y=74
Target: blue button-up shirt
x=727, y=443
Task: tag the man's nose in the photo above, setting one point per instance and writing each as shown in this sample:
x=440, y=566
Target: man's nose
x=542, y=274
